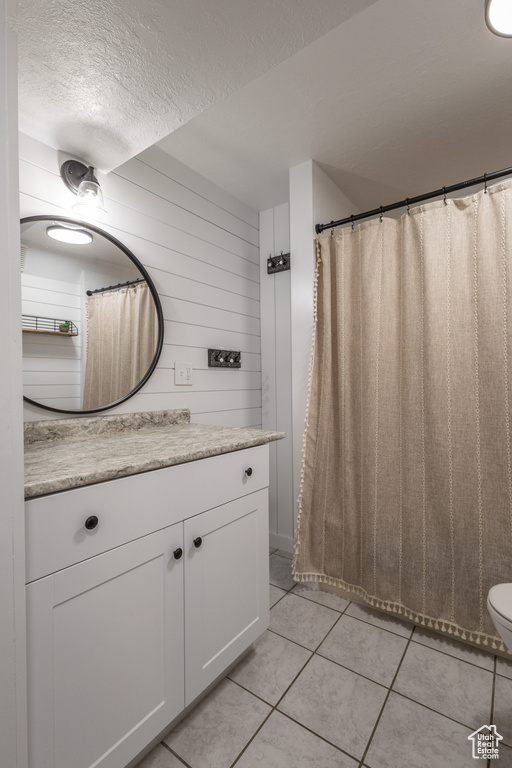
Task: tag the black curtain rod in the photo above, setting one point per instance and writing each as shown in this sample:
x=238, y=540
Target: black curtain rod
x=115, y=287
x=413, y=200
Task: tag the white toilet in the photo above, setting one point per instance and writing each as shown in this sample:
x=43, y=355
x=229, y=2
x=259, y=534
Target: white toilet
x=499, y=603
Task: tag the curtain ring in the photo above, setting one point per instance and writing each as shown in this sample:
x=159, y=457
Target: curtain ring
x=352, y=221
x=444, y=193
x=485, y=183
x=407, y=204
x=332, y=228
x=381, y=214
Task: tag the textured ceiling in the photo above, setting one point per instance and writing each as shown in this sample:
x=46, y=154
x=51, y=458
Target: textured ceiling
x=404, y=97
x=391, y=97
x=105, y=79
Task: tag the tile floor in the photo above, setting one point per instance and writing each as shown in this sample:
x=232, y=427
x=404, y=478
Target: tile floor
x=333, y=684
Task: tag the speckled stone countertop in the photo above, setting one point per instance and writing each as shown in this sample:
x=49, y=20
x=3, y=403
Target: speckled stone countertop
x=69, y=453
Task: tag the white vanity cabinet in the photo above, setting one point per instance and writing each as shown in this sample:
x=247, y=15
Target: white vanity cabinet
x=226, y=587
x=105, y=651
x=131, y=619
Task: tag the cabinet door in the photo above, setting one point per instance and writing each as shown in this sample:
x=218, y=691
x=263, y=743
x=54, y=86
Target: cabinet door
x=105, y=654
x=226, y=587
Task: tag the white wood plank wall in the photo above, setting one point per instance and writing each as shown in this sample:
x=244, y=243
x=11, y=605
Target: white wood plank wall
x=51, y=364
x=13, y=680
x=276, y=367
x=201, y=248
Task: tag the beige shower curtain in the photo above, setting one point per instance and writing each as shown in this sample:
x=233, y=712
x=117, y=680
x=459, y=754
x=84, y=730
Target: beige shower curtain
x=406, y=493
x=122, y=332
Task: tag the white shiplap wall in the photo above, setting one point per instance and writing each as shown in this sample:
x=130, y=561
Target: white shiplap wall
x=287, y=301
x=276, y=366
x=13, y=719
x=201, y=248
x=51, y=364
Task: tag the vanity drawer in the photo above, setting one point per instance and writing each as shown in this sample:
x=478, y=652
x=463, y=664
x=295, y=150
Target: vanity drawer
x=134, y=506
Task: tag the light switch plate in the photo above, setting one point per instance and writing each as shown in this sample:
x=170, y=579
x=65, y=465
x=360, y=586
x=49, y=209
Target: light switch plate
x=183, y=374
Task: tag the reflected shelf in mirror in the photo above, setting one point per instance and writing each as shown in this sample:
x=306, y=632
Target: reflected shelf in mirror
x=35, y=324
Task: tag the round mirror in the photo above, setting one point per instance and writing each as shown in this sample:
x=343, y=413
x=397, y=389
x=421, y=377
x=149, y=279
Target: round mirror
x=92, y=319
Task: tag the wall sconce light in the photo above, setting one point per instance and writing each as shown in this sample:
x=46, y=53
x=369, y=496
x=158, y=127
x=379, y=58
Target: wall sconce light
x=80, y=179
x=498, y=17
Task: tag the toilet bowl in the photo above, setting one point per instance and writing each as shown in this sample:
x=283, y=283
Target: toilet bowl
x=499, y=604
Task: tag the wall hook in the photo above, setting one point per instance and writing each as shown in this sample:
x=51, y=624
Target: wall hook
x=278, y=263
x=224, y=358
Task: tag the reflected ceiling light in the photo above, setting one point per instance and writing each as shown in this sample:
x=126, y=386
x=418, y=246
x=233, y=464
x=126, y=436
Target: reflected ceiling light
x=498, y=16
x=69, y=234
x=80, y=179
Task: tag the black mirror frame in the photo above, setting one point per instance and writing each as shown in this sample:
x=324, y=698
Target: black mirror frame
x=154, y=294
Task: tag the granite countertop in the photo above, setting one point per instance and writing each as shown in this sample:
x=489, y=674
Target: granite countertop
x=69, y=453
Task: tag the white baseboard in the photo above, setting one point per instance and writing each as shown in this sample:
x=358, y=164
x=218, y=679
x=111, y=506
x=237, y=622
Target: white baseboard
x=282, y=542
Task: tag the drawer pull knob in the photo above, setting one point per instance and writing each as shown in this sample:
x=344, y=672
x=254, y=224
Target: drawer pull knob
x=91, y=522
x=248, y=471
x=177, y=553
x=197, y=542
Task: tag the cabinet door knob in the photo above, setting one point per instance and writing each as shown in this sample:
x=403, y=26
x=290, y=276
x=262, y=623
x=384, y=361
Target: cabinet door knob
x=177, y=553
x=197, y=542
x=248, y=471
x=91, y=522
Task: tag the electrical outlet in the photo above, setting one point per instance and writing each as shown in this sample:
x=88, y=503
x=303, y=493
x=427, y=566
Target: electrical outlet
x=183, y=374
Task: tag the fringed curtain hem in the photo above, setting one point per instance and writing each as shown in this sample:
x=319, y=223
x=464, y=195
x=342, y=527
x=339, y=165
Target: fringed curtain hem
x=430, y=622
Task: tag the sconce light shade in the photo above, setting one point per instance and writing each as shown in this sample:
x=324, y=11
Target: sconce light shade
x=80, y=179
x=498, y=17
x=89, y=196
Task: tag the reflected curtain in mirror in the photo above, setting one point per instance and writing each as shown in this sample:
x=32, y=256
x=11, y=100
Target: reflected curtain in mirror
x=122, y=330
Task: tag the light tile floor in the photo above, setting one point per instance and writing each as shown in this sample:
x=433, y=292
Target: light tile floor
x=333, y=684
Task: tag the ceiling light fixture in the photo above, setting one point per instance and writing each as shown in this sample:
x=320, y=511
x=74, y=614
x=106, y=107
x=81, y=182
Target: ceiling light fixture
x=80, y=179
x=73, y=235
x=498, y=17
